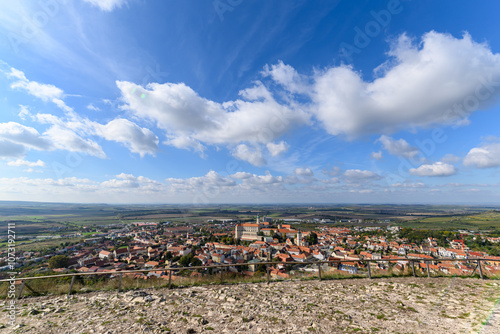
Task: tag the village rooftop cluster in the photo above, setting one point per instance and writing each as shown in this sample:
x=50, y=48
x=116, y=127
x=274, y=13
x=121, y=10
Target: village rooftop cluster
x=161, y=245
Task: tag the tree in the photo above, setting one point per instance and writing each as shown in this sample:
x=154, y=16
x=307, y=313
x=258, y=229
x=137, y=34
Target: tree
x=186, y=260
x=58, y=261
x=195, y=262
x=168, y=255
x=312, y=238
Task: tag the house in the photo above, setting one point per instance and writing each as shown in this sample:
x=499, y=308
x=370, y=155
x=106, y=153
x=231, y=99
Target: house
x=121, y=252
x=151, y=264
x=105, y=255
x=299, y=257
x=319, y=255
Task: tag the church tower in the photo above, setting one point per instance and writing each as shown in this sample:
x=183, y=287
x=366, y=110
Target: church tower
x=238, y=232
x=299, y=239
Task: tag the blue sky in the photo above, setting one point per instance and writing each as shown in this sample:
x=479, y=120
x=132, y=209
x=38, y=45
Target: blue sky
x=235, y=101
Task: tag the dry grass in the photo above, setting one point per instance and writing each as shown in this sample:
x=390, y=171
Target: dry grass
x=83, y=284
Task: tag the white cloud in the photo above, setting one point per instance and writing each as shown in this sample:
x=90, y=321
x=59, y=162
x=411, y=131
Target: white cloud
x=362, y=191
x=11, y=150
x=435, y=169
x=333, y=180
x=106, y=5
x=192, y=121
x=408, y=185
x=16, y=138
x=421, y=85
x=138, y=140
x=277, y=149
x=24, y=163
x=441, y=80
x=23, y=112
x=376, y=155
x=90, y=106
x=301, y=176
x=241, y=175
x=287, y=76
x=127, y=181
x=485, y=156
x=66, y=139
x=399, y=147
x=212, y=180
x=266, y=179
x=23, y=135
x=245, y=153
x=303, y=172
x=45, y=92
x=357, y=175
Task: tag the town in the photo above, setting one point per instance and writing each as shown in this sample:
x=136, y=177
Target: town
x=244, y=247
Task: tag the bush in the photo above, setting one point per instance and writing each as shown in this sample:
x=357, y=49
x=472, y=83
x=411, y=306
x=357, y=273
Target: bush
x=58, y=261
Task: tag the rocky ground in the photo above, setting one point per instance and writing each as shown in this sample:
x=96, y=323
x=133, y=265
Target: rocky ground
x=395, y=305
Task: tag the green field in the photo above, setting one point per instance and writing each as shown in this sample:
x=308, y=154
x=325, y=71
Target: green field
x=37, y=219
x=483, y=221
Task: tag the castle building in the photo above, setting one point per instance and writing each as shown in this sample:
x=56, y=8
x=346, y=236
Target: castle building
x=248, y=231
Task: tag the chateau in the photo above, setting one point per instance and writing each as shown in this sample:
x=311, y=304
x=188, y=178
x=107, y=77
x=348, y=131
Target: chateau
x=251, y=232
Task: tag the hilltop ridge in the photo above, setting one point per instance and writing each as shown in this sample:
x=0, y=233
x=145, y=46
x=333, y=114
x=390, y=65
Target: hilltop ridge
x=388, y=305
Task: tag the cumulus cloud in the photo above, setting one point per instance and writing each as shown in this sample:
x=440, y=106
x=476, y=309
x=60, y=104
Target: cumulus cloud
x=127, y=181
x=357, y=175
x=241, y=175
x=23, y=112
x=485, y=156
x=440, y=80
x=408, y=185
x=69, y=132
x=246, y=153
x=399, y=147
x=288, y=77
x=16, y=139
x=90, y=106
x=9, y=149
x=277, y=148
x=267, y=179
x=303, y=172
x=45, y=92
x=24, y=163
x=191, y=121
x=211, y=180
x=301, y=176
x=106, y=5
x=138, y=140
x=66, y=139
x=435, y=169
x=376, y=155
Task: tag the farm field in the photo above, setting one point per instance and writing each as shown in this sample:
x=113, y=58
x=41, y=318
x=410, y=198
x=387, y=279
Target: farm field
x=39, y=219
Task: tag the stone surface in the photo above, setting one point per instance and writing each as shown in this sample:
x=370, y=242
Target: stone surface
x=404, y=305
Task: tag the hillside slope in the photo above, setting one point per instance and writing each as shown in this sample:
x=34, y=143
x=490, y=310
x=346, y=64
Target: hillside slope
x=404, y=305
